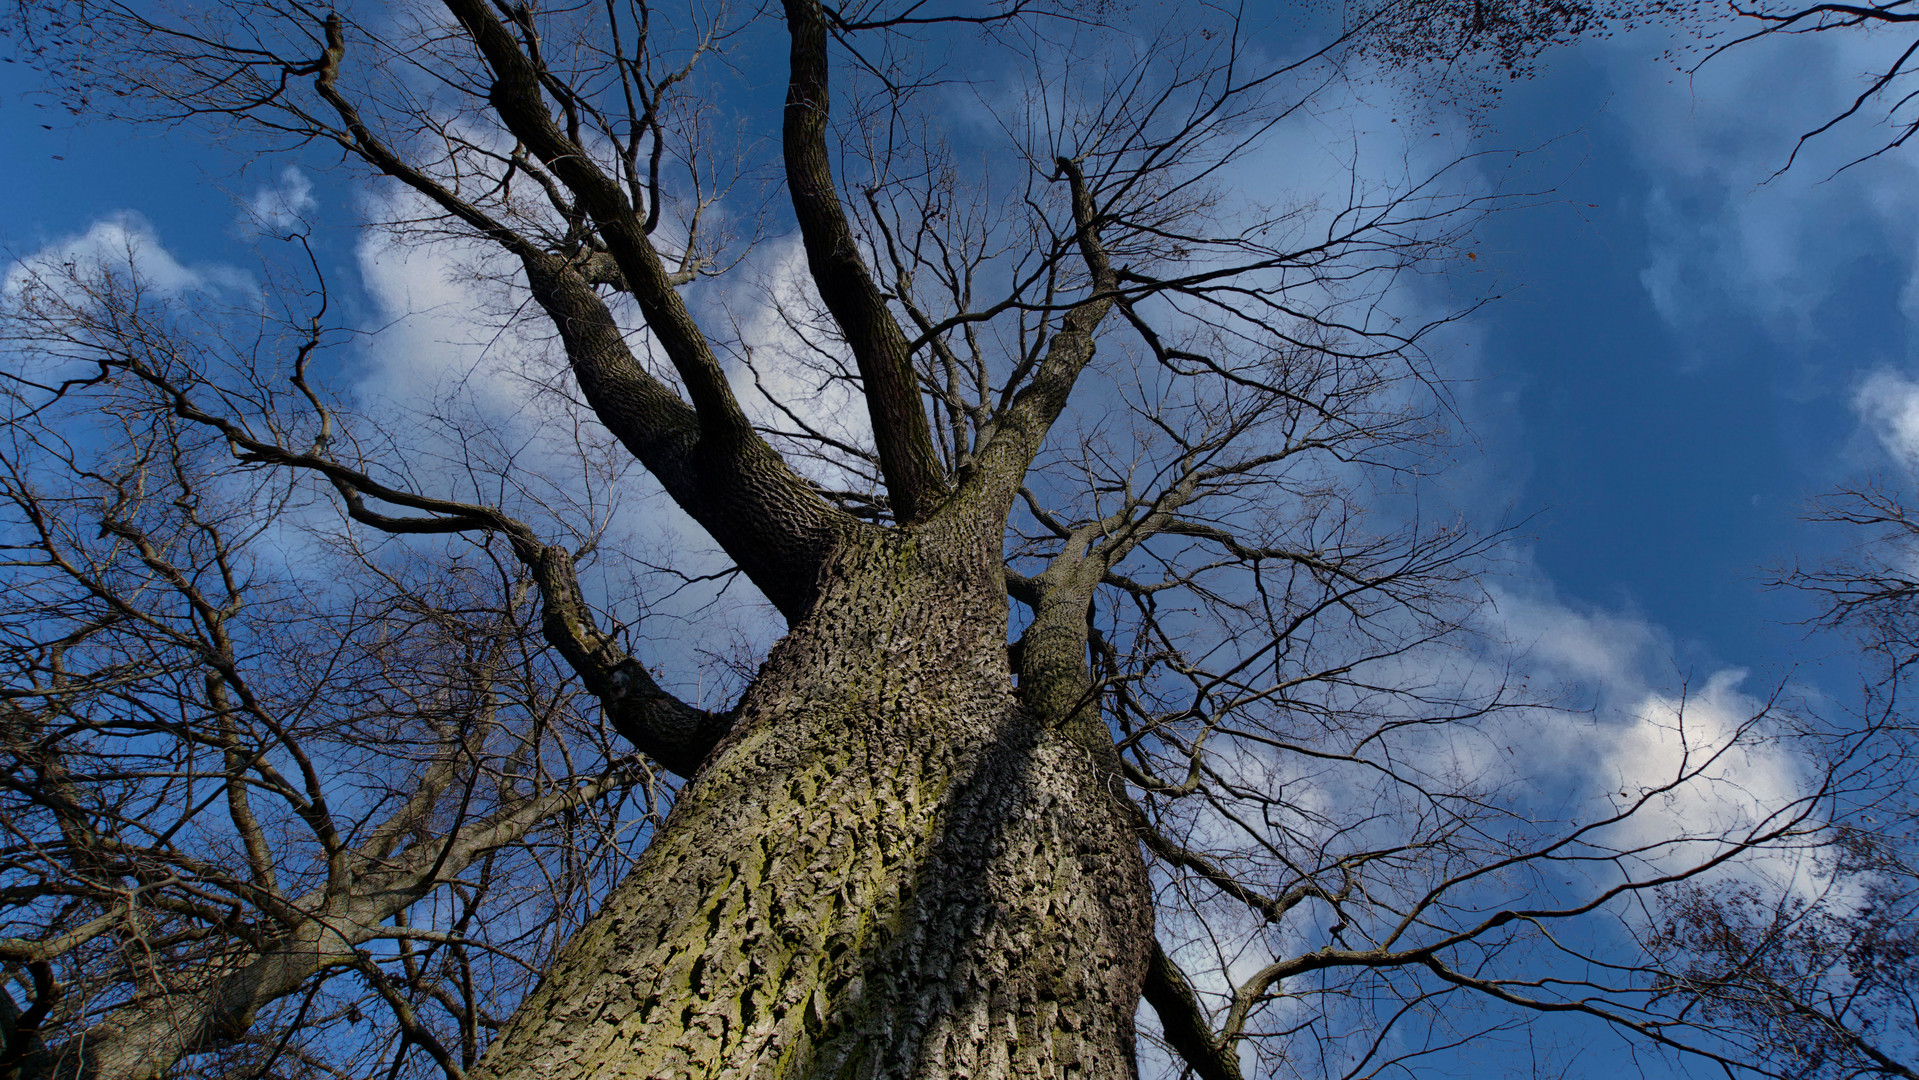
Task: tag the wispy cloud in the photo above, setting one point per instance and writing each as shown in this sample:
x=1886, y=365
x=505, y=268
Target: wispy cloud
x=1729, y=235
x=280, y=207
x=1888, y=406
x=115, y=243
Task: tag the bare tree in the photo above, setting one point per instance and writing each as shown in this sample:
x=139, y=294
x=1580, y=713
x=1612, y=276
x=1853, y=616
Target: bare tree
x=1119, y=661
x=239, y=765
x=1822, y=977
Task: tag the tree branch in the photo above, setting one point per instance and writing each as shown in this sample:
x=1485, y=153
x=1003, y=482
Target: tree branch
x=914, y=479
x=1184, y=1023
x=1009, y=444
x=517, y=100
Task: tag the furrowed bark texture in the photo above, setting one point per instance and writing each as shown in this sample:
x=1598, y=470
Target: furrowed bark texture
x=891, y=868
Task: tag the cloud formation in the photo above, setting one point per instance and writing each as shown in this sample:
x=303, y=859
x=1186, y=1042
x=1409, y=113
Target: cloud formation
x=118, y=242
x=1693, y=767
x=280, y=207
x=1730, y=235
x=1888, y=406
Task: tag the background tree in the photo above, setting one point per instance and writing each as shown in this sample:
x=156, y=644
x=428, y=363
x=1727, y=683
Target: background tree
x=230, y=781
x=1815, y=967
x=1163, y=694
x=1823, y=976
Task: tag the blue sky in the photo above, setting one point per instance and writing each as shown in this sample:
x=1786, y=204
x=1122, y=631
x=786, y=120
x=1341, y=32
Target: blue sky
x=1685, y=350
x=1667, y=414
x=1663, y=405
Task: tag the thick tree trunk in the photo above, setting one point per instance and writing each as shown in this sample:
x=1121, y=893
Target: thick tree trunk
x=890, y=868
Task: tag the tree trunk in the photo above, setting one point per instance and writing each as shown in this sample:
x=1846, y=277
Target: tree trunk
x=890, y=868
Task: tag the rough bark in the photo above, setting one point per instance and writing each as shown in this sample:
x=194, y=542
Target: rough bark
x=895, y=862
x=891, y=868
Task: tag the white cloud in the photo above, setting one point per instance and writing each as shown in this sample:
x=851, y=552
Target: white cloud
x=806, y=374
x=279, y=207
x=114, y=244
x=1727, y=236
x=117, y=256
x=1693, y=770
x=1888, y=405
x=1713, y=775
x=433, y=333
x=1604, y=653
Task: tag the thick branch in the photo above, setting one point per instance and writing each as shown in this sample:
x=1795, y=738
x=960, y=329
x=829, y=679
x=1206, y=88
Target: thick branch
x=771, y=522
x=33, y=950
x=706, y=457
x=1183, y=1022
x=908, y=461
x=517, y=100
x=666, y=729
x=1009, y=445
